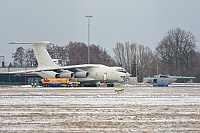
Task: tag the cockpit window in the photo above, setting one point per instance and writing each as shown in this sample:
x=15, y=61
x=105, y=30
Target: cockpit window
x=163, y=76
x=121, y=70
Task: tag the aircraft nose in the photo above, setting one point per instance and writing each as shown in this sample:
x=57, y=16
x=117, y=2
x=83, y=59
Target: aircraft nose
x=127, y=75
x=149, y=81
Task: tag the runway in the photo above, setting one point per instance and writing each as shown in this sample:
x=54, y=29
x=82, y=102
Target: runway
x=99, y=109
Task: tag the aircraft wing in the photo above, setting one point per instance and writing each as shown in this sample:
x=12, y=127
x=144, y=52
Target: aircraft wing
x=73, y=68
x=182, y=77
x=79, y=66
x=15, y=72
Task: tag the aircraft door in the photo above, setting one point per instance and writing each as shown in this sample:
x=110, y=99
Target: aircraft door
x=96, y=74
x=105, y=76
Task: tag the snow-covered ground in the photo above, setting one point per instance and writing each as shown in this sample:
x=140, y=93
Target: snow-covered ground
x=136, y=109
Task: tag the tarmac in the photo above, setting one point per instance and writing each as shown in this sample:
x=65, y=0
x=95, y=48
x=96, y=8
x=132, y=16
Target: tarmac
x=100, y=109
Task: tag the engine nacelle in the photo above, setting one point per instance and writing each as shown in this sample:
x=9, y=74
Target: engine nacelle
x=82, y=74
x=64, y=75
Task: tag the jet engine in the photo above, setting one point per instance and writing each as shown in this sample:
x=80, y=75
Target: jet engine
x=64, y=75
x=81, y=74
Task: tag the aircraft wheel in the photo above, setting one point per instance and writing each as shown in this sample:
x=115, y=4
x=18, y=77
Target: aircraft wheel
x=110, y=85
x=90, y=85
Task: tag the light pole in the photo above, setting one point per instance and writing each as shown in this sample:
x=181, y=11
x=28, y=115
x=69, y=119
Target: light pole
x=89, y=16
x=136, y=65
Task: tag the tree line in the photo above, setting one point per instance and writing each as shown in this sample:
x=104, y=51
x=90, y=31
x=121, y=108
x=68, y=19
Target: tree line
x=175, y=54
x=70, y=54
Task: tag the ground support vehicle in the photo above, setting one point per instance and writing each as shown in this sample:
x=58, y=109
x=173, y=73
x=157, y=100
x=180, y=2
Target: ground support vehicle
x=59, y=82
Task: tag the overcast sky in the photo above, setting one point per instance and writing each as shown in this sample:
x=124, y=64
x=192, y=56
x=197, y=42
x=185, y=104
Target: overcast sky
x=61, y=21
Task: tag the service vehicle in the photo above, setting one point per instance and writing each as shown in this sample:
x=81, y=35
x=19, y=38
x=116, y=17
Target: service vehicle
x=59, y=82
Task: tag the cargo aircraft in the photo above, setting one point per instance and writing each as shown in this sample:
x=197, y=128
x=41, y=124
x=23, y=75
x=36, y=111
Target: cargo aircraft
x=87, y=74
x=164, y=80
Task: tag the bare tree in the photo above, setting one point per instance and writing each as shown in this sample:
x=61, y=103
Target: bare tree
x=119, y=51
x=174, y=50
x=145, y=59
x=78, y=53
x=135, y=58
x=99, y=55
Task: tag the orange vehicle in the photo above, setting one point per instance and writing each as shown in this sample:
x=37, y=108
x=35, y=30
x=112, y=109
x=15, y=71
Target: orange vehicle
x=59, y=82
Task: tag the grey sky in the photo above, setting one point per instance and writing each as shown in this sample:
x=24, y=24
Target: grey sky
x=60, y=21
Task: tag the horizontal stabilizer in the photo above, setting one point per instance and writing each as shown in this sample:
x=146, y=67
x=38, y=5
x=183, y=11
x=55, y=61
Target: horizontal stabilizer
x=42, y=42
x=182, y=77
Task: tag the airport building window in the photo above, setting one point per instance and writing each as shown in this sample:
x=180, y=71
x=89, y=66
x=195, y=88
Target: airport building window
x=12, y=79
x=34, y=80
x=19, y=79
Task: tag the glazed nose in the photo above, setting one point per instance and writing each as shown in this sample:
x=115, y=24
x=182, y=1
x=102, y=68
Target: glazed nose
x=149, y=81
x=127, y=75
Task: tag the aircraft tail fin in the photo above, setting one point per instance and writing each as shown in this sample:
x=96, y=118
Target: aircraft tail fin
x=41, y=53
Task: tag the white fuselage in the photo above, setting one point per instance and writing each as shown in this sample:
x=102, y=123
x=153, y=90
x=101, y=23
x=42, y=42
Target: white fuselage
x=96, y=73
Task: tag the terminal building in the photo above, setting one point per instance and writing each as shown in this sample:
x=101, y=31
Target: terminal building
x=16, y=79
x=2, y=61
x=19, y=78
